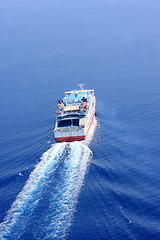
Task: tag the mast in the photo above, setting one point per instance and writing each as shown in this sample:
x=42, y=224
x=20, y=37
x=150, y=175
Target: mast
x=81, y=85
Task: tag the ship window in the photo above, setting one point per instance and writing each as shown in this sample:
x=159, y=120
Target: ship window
x=64, y=123
x=75, y=122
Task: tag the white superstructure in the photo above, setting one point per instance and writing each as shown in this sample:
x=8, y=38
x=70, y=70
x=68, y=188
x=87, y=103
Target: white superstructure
x=75, y=115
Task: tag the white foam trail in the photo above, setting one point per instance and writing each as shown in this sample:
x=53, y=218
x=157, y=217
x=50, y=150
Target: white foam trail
x=29, y=197
x=63, y=202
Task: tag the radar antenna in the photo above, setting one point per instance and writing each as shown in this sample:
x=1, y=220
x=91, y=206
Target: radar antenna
x=81, y=86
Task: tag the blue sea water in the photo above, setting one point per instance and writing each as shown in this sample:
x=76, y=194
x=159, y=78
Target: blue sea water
x=107, y=187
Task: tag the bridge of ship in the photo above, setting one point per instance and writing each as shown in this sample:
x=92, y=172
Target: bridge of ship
x=74, y=97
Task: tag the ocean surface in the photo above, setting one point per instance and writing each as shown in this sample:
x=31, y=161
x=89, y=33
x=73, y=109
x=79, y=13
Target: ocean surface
x=108, y=186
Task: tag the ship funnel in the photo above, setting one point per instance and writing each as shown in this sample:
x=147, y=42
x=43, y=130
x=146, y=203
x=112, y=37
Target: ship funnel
x=81, y=86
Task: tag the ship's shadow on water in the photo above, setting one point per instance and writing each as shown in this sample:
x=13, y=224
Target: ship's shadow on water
x=44, y=208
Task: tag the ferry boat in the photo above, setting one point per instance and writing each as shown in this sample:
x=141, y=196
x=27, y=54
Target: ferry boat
x=75, y=113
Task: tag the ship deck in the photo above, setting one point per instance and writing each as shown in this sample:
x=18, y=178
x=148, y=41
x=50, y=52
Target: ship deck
x=75, y=97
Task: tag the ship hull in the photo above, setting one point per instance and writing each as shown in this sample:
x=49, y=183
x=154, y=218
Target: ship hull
x=74, y=121
x=76, y=135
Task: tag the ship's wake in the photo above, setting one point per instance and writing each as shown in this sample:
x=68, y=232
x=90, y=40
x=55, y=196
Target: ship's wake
x=45, y=206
